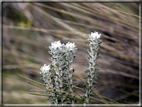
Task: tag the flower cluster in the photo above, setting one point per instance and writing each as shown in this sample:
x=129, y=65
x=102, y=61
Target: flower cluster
x=62, y=59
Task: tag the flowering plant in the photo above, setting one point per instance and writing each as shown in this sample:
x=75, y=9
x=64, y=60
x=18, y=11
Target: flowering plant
x=62, y=79
x=95, y=42
x=59, y=75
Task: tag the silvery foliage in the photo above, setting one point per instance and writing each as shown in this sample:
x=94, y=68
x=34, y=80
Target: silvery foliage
x=70, y=55
x=62, y=59
x=57, y=52
x=95, y=42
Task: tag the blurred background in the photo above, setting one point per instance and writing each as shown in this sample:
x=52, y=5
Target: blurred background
x=29, y=29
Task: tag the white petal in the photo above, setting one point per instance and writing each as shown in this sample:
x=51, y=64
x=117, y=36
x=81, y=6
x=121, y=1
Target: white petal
x=45, y=68
x=95, y=35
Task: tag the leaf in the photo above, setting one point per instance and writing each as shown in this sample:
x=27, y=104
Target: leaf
x=89, y=76
x=50, y=52
x=85, y=77
x=73, y=75
x=96, y=69
x=89, y=40
x=89, y=51
x=74, y=80
x=100, y=41
x=90, y=81
x=87, y=64
x=98, y=53
x=51, y=66
x=88, y=58
x=74, y=83
x=91, y=63
x=55, y=75
x=87, y=71
x=95, y=82
x=57, y=64
x=92, y=87
x=63, y=68
x=84, y=90
x=92, y=69
x=95, y=77
x=64, y=64
x=94, y=73
x=63, y=54
x=94, y=50
x=87, y=88
x=74, y=88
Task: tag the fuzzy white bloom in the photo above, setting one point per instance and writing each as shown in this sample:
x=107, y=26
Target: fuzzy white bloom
x=55, y=45
x=45, y=69
x=70, y=46
x=95, y=35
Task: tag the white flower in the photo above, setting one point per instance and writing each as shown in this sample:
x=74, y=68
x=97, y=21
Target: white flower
x=71, y=46
x=45, y=69
x=95, y=35
x=55, y=45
